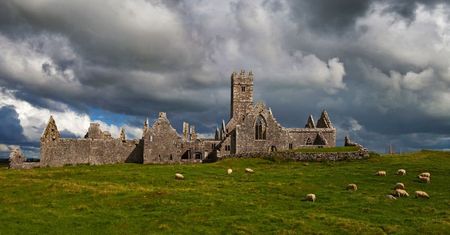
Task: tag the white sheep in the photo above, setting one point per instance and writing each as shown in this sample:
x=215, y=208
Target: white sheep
x=400, y=193
x=425, y=174
x=401, y=172
x=249, y=170
x=424, y=179
x=422, y=194
x=399, y=186
x=310, y=197
x=229, y=171
x=389, y=196
x=179, y=176
x=352, y=187
x=381, y=173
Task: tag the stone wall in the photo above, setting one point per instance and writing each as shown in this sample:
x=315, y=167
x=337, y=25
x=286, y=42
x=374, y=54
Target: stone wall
x=275, y=137
x=90, y=151
x=18, y=161
x=311, y=157
x=161, y=142
x=299, y=136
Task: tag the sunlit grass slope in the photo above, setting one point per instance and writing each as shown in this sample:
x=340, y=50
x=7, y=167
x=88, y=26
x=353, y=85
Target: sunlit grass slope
x=140, y=199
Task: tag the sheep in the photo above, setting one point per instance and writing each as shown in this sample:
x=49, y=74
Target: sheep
x=425, y=174
x=381, y=173
x=401, y=172
x=229, y=171
x=399, y=186
x=310, y=197
x=400, y=193
x=179, y=176
x=389, y=196
x=422, y=194
x=249, y=170
x=424, y=179
x=352, y=187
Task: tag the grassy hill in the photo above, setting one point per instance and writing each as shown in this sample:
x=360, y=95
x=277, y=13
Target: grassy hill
x=136, y=199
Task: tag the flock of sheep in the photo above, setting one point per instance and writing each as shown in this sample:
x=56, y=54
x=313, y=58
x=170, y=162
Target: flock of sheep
x=399, y=188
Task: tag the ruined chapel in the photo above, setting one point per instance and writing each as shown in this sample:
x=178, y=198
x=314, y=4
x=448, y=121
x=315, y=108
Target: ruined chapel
x=251, y=128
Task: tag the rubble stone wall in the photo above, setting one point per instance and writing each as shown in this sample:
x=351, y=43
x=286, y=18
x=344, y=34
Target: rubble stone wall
x=88, y=151
x=311, y=157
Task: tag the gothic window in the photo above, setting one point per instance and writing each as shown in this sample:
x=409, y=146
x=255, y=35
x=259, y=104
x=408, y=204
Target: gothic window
x=260, y=128
x=309, y=141
x=242, y=88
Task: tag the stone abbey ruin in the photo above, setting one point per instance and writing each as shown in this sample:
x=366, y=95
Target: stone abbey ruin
x=251, y=129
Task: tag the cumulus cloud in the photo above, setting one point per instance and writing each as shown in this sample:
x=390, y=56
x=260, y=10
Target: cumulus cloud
x=30, y=121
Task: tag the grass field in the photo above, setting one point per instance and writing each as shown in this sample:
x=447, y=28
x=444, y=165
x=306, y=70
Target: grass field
x=143, y=199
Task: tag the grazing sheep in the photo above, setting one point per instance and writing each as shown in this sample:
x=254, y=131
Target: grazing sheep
x=389, y=196
x=179, y=176
x=310, y=197
x=399, y=186
x=229, y=171
x=424, y=179
x=381, y=173
x=422, y=194
x=352, y=187
x=249, y=170
x=401, y=172
x=425, y=174
x=400, y=193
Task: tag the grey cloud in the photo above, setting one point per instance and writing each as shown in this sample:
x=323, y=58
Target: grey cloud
x=141, y=57
x=11, y=131
x=339, y=16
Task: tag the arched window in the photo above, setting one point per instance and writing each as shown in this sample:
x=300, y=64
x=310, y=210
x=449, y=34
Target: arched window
x=260, y=128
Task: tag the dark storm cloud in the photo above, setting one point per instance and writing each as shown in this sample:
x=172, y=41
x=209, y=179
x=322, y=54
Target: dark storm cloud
x=379, y=67
x=339, y=16
x=11, y=131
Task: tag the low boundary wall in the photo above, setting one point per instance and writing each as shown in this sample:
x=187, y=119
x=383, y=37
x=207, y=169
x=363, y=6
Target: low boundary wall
x=306, y=157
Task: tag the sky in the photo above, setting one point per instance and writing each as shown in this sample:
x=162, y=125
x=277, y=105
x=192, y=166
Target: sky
x=380, y=68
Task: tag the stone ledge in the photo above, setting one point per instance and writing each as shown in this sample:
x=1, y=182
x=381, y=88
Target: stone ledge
x=307, y=157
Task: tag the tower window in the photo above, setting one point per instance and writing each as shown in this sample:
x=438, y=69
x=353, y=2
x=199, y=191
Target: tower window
x=290, y=146
x=260, y=128
x=242, y=88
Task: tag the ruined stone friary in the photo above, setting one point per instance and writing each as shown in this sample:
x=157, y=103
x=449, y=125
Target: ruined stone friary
x=252, y=128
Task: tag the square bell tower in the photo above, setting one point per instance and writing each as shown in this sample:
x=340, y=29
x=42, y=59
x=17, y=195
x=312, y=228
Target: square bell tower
x=241, y=94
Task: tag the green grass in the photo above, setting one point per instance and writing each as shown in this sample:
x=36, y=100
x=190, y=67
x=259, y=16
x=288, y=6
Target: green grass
x=145, y=199
x=328, y=149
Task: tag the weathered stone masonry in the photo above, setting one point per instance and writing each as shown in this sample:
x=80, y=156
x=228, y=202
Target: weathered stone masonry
x=252, y=128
